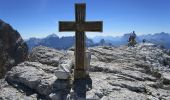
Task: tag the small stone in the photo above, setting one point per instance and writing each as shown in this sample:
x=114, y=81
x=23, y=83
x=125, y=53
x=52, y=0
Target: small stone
x=55, y=96
x=62, y=74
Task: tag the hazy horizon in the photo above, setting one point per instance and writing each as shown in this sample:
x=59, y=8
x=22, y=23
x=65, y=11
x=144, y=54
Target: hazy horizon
x=91, y=37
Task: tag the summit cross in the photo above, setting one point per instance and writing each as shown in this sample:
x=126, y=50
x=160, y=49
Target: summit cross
x=80, y=26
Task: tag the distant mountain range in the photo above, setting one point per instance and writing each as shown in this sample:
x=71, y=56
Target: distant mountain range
x=54, y=41
x=157, y=38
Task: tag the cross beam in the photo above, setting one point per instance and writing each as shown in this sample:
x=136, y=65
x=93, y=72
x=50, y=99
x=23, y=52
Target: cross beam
x=88, y=26
x=80, y=26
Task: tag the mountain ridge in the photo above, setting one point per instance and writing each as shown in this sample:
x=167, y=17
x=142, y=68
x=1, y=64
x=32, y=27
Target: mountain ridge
x=66, y=42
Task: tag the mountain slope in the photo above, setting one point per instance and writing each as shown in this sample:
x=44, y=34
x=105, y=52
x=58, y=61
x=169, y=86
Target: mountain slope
x=13, y=49
x=123, y=73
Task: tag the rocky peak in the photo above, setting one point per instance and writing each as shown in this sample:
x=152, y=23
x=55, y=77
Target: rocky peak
x=123, y=73
x=12, y=47
x=130, y=73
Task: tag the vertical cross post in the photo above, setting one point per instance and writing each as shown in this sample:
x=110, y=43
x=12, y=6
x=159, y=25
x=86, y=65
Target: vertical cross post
x=80, y=42
x=80, y=26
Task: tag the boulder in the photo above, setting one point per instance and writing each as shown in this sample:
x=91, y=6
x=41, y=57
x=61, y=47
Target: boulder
x=12, y=47
x=64, y=68
x=8, y=92
x=46, y=55
x=52, y=57
x=36, y=76
x=166, y=78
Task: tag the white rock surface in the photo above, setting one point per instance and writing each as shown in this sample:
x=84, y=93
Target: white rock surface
x=55, y=58
x=31, y=75
x=127, y=73
x=8, y=92
x=124, y=73
x=46, y=55
x=64, y=68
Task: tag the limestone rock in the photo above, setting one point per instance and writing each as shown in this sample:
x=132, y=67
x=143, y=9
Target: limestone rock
x=129, y=73
x=35, y=76
x=122, y=73
x=166, y=78
x=12, y=47
x=64, y=68
x=46, y=55
x=8, y=92
x=62, y=61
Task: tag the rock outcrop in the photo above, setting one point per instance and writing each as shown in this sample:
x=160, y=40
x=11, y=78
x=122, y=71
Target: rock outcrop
x=130, y=73
x=38, y=78
x=124, y=73
x=61, y=60
x=12, y=47
x=9, y=92
x=46, y=73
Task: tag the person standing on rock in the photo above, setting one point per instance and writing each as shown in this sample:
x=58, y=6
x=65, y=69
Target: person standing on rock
x=143, y=40
x=132, y=41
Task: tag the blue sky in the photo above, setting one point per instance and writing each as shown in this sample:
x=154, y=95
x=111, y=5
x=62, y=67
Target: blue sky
x=39, y=18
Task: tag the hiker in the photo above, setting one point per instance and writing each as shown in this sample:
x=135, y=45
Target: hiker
x=132, y=41
x=143, y=40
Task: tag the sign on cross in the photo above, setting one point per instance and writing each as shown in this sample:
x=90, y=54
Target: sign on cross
x=80, y=26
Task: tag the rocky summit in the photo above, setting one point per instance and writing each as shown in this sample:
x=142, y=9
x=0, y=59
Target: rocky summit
x=13, y=49
x=123, y=73
x=130, y=73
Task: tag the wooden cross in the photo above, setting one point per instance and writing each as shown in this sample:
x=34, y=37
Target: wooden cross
x=80, y=26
